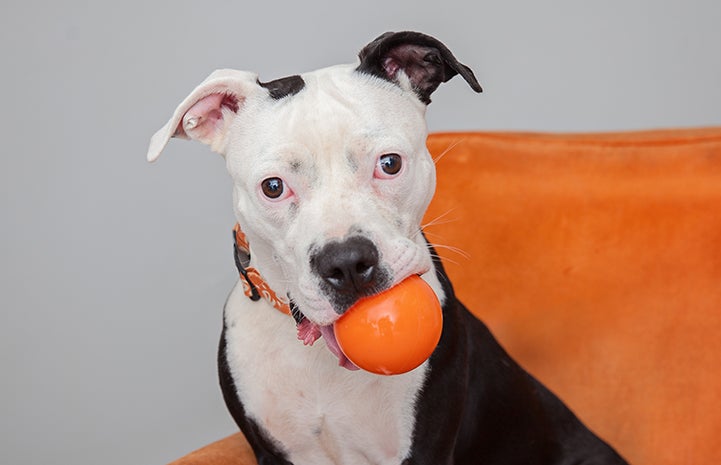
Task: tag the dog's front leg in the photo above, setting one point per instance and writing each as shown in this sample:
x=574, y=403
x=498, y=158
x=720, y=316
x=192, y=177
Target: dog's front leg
x=443, y=398
x=264, y=450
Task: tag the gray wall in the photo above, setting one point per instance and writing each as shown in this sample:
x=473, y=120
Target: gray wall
x=114, y=271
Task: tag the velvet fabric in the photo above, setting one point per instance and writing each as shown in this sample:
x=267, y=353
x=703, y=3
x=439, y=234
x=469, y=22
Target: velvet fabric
x=595, y=259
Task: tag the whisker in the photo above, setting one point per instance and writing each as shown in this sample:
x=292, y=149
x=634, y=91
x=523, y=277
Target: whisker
x=443, y=154
x=433, y=237
x=444, y=259
x=437, y=220
x=454, y=249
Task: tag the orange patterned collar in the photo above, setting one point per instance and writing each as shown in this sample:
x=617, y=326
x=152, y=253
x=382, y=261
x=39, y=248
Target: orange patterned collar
x=254, y=285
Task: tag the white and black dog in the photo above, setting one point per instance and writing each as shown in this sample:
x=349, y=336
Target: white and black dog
x=331, y=178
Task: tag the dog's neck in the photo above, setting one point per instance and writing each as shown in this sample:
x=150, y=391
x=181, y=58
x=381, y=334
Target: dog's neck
x=254, y=286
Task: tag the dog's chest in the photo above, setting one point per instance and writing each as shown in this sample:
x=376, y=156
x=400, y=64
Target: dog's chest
x=317, y=412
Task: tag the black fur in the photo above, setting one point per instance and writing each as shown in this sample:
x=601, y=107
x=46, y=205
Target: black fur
x=283, y=87
x=424, y=59
x=480, y=407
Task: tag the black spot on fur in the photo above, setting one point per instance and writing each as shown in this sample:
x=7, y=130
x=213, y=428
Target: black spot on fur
x=283, y=87
x=296, y=165
x=351, y=162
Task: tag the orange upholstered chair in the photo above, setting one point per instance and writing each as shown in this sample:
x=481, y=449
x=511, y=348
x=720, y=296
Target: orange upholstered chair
x=596, y=261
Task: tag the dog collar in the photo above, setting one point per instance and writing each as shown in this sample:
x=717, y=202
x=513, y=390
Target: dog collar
x=254, y=286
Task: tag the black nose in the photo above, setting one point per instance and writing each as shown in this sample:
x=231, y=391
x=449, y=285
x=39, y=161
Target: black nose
x=350, y=267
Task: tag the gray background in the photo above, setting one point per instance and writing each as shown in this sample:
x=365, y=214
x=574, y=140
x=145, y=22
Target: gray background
x=114, y=271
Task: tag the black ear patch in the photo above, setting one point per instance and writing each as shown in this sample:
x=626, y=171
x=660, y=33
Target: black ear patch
x=283, y=87
x=424, y=59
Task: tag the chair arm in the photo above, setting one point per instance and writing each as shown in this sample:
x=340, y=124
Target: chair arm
x=232, y=450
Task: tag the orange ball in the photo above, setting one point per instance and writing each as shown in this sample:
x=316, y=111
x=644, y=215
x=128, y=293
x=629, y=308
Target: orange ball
x=392, y=332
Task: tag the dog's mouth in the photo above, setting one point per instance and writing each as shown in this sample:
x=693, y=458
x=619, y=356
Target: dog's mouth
x=309, y=332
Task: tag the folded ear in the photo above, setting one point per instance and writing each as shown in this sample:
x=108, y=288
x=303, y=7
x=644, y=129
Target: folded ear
x=424, y=60
x=207, y=112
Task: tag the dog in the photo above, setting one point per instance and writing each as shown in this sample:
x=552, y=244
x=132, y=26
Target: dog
x=331, y=178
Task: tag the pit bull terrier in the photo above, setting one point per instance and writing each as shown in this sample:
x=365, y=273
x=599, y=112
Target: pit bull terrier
x=331, y=178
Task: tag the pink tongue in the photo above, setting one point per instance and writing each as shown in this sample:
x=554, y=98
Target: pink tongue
x=310, y=332
x=332, y=344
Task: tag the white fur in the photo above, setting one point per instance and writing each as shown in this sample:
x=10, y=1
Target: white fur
x=317, y=412
x=322, y=127
x=324, y=142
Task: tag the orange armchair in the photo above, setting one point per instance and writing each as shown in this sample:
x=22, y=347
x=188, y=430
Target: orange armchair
x=596, y=261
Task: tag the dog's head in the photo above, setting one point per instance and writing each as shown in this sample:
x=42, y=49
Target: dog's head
x=331, y=175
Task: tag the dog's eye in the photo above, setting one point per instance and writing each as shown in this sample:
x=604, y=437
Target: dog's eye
x=390, y=165
x=272, y=188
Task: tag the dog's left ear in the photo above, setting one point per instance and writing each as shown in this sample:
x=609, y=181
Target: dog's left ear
x=424, y=59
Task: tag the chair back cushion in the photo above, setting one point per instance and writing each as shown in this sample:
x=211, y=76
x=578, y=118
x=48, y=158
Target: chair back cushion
x=596, y=261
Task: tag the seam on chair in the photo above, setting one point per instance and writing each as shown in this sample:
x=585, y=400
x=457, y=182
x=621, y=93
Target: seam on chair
x=600, y=140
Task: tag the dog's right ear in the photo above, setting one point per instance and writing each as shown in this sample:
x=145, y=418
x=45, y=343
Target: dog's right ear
x=208, y=111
